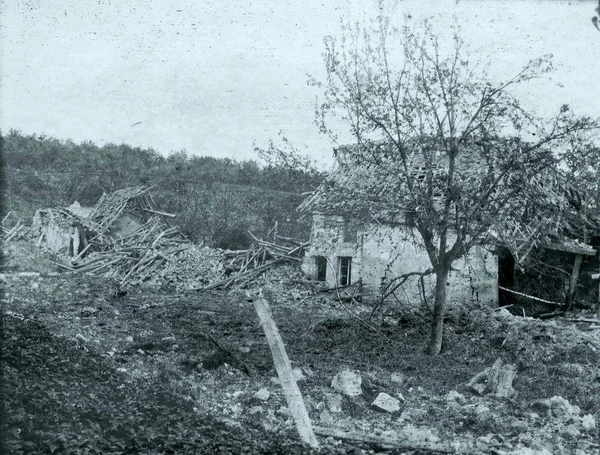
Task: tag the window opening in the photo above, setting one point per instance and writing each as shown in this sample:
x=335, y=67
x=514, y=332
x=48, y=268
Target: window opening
x=345, y=270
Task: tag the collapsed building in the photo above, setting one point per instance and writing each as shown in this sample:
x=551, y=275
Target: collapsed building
x=125, y=236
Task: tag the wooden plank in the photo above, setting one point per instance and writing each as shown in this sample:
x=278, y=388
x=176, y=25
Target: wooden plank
x=285, y=373
x=7, y=215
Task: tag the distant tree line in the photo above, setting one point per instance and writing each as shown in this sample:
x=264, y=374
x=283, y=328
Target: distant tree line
x=216, y=200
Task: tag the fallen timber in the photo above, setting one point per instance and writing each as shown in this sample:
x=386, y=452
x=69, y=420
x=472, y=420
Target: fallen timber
x=260, y=257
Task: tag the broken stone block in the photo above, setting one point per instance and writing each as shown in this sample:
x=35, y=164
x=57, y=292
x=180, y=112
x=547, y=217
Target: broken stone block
x=496, y=380
x=347, y=383
x=387, y=403
x=262, y=395
x=588, y=422
x=334, y=402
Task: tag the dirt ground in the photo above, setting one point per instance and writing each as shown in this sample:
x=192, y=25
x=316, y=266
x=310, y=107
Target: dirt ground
x=88, y=369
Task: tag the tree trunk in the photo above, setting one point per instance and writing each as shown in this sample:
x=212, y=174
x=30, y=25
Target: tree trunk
x=439, y=308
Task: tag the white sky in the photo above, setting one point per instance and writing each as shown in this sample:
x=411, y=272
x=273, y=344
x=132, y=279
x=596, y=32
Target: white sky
x=213, y=77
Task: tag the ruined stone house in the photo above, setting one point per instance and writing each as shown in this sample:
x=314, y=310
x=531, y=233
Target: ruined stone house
x=343, y=252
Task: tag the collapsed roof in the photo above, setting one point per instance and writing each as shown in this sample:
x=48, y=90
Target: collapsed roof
x=370, y=183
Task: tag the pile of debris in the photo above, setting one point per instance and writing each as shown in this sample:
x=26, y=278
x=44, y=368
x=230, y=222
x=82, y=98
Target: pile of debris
x=126, y=237
x=246, y=265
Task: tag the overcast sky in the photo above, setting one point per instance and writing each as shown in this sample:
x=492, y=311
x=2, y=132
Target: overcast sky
x=214, y=77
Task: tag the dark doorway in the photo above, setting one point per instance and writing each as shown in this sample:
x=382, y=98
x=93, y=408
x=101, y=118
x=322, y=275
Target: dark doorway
x=506, y=277
x=321, y=263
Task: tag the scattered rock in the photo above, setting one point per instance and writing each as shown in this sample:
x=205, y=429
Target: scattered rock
x=236, y=409
x=334, y=402
x=347, y=383
x=325, y=416
x=570, y=431
x=398, y=378
x=3, y=278
x=237, y=394
x=35, y=286
x=411, y=414
x=298, y=375
x=129, y=339
x=80, y=337
x=453, y=395
x=255, y=410
x=168, y=340
x=387, y=403
x=562, y=409
x=496, y=380
x=244, y=349
x=588, y=422
x=88, y=311
x=262, y=395
x=541, y=407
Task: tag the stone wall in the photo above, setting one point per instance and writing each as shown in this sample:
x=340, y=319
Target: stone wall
x=380, y=253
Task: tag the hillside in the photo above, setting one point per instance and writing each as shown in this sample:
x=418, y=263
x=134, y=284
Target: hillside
x=215, y=201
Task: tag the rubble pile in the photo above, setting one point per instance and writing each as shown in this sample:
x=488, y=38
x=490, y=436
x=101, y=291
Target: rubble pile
x=263, y=255
x=191, y=268
x=126, y=237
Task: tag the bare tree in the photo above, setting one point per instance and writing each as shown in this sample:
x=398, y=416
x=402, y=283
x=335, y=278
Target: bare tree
x=438, y=145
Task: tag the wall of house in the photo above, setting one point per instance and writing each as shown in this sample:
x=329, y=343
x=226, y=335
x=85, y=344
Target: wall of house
x=381, y=253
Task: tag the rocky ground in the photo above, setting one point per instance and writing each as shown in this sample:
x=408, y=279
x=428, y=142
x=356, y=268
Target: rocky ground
x=88, y=369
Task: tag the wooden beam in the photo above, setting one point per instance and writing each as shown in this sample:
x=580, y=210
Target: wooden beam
x=570, y=248
x=285, y=373
x=170, y=215
x=386, y=442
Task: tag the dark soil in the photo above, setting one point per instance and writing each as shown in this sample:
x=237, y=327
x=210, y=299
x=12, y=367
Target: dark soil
x=87, y=370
